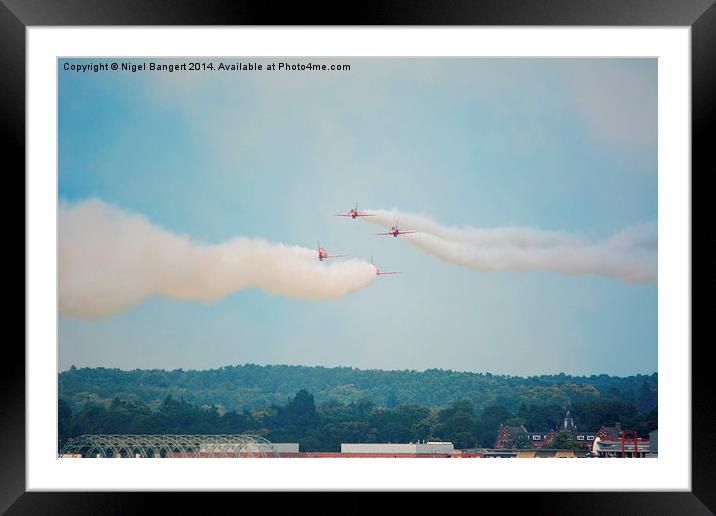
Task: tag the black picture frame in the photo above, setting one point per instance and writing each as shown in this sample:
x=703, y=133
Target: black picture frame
x=16, y=15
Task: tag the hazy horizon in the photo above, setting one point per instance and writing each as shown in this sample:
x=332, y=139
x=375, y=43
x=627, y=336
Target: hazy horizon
x=360, y=369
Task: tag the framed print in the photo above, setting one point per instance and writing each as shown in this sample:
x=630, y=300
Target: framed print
x=455, y=233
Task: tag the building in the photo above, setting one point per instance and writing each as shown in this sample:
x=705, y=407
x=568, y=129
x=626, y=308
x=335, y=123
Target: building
x=395, y=449
x=610, y=432
x=535, y=453
x=518, y=436
x=621, y=447
x=608, y=441
x=173, y=445
x=249, y=449
x=239, y=446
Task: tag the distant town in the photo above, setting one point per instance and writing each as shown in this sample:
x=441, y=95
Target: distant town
x=114, y=413
x=609, y=442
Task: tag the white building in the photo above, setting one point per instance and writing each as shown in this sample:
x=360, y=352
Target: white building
x=614, y=447
x=249, y=448
x=429, y=448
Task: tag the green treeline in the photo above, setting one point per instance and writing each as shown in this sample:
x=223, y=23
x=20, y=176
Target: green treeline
x=249, y=386
x=324, y=426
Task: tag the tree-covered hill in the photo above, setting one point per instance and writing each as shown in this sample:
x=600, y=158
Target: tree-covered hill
x=249, y=386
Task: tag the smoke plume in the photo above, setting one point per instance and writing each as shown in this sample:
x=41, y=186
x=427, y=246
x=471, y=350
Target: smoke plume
x=629, y=255
x=110, y=259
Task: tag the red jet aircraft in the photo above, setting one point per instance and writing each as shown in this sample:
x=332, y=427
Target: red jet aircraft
x=377, y=270
x=353, y=213
x=395, y=231
x=323, y=254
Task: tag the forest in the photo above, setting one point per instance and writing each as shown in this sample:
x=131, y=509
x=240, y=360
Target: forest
x=322, y=407
x=325, y=426
x=249, y=386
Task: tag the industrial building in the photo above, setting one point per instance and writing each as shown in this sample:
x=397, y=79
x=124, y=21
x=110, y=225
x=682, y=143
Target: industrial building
x=623, y=447
x=536, y=453
x=168, y=446
x=218, y=446
x=411, y=449
x=244, y=446
x=257, y=448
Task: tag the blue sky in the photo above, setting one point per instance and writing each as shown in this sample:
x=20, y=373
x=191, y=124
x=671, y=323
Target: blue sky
x=552, y=144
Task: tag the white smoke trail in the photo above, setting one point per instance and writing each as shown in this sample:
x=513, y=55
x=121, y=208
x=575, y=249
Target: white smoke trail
x=110, y=259
x=629, y=255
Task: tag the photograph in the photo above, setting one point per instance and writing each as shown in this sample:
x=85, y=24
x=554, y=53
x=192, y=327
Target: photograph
x=358, y=257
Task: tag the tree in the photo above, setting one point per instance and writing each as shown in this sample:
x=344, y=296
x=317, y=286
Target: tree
x=392, y=400
x=522, y=441
x=489, y=423
x=457, y=424
x=390, y=426
x=514, y=421
x=647, y=398
x=301, y=410
x=363, y=408
x=333, y=434
x=540, y=418
x=249, y=386
x=294, y=421
x=64, y=420
x=566, y=441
